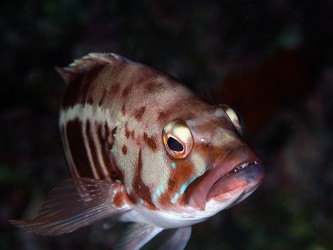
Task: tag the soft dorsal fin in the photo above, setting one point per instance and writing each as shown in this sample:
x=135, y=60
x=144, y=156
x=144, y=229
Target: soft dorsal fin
x=87, y=63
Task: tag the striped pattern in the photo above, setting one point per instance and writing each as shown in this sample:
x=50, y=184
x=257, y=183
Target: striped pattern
x=88, y=139
x=85, y=120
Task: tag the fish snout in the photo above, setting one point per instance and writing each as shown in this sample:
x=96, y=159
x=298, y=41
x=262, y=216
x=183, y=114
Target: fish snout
x=240, y=169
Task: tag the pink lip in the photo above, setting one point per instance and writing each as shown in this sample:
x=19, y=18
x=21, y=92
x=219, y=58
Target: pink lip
x=240, y=168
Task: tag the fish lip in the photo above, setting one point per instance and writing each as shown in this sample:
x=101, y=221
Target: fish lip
x=251, y=174
x=204, y=188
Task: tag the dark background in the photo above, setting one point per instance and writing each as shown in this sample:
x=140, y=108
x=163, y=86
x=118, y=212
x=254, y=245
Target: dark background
x=270, y=60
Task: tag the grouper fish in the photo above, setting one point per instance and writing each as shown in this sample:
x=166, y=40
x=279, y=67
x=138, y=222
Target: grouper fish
x=143, y=148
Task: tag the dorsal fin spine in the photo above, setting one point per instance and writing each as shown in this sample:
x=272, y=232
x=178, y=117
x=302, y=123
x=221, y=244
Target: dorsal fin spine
x=87, y=63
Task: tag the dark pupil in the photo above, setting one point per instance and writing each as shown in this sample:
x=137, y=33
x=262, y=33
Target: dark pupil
x=175, y=145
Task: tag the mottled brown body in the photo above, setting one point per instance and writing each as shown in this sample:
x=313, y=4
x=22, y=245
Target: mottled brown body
x=144, y=148
x=131, y=95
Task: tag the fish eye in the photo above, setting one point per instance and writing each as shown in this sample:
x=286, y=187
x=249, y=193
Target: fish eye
x=177, y=139
x=175, y=145
x=234, y=117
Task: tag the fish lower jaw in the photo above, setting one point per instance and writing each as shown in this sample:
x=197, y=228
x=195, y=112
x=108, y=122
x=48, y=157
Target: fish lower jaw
x=224, y=201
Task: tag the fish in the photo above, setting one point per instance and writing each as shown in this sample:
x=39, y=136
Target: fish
x=142, y=148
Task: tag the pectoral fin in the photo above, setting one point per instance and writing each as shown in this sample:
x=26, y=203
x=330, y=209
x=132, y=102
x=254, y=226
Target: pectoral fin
x=137, y=235
x=76, y=203
x=178, y=240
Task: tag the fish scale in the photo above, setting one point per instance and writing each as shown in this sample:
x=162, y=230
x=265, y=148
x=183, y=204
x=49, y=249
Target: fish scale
x=143, y=148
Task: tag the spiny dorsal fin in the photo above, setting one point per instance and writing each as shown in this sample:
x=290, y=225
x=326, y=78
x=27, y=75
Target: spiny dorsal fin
x=87, y=63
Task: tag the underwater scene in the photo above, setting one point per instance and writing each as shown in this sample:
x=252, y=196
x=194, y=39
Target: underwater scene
x=258, y=80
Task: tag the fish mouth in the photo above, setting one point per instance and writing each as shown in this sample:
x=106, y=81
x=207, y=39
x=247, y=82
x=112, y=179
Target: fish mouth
x=241, y=170
x=244, y=177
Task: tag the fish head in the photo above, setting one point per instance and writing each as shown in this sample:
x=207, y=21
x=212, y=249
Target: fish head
x=209, y=166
